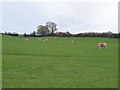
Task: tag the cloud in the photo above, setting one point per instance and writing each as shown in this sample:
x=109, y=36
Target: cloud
x=58, y=0
x=75, y=25
x=74, y=17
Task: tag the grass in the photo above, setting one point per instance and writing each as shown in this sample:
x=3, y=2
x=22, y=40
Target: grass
x=57, y=63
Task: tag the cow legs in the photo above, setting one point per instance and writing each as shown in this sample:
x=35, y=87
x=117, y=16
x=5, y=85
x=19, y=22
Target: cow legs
x=98, y=47
x=105, y=46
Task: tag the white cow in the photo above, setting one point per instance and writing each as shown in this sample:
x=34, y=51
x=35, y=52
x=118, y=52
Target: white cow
x=100, y=45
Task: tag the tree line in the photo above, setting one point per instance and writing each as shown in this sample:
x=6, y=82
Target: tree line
x=50, y=28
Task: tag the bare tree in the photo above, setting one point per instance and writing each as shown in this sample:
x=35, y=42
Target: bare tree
x=51, y=26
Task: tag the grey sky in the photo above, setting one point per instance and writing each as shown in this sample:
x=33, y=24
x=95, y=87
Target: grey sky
x=75, y=17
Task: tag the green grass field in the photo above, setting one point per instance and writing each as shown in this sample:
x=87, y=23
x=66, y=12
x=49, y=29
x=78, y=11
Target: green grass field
x=58, y=63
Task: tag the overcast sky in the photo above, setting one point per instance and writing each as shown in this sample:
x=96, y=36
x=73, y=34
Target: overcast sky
x=72, y=16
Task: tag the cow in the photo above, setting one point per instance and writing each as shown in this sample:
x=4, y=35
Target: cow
x=26, y=39
x=43, y=39
x=50, y=37
x=100, y=45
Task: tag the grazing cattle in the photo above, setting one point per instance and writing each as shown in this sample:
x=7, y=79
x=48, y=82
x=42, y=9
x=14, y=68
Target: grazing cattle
x=50, y=37
x=26, y=39
x=43, y=39
x=39, y=39
x=100, y=45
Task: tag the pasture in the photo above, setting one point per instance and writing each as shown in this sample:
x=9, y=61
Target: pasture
x=58, y=63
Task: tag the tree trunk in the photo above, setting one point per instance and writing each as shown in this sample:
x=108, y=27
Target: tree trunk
x=52, y=31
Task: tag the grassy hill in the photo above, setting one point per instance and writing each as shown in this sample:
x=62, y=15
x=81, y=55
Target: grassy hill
x=59, y=63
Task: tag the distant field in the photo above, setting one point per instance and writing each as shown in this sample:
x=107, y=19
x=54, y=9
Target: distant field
x=59, y=63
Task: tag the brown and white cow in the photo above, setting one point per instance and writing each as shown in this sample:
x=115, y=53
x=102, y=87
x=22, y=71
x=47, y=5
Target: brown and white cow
x=100, y=45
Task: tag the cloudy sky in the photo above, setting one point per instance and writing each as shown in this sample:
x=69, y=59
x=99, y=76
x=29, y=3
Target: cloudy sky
x=73, y=15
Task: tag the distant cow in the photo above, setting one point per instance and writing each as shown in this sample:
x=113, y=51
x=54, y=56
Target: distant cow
x=72, y=41
x=43, y=39
x=100, y=45
x=26, y=39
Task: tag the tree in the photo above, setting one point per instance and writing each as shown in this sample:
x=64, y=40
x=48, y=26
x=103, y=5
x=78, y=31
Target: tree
x=61, y=34
x=42, y=30
x=33, y=34
x=25, y=35
x=68, y=34
x=51, y=26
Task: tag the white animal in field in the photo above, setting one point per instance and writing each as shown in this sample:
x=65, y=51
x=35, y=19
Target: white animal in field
x=72, y=41
x=100, y=45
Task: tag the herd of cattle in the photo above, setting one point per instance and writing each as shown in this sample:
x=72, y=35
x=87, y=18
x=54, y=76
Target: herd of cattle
x=100, y=45
x=45, y=39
